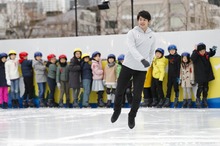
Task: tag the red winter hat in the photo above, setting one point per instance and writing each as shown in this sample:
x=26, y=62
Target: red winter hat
x=23, y=54
x=50, y=56
x=62, y=56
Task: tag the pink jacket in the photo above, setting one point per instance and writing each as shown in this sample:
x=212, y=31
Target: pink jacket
x=97, y=70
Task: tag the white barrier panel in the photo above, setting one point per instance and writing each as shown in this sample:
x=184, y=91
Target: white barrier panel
x=116, y=44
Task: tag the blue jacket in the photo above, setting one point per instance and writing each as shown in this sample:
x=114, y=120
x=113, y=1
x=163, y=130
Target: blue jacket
x=86, y=70
x=3, y=82
x=26, y=68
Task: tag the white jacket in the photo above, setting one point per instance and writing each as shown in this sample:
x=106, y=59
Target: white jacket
x=11, y=69
x=141, y=45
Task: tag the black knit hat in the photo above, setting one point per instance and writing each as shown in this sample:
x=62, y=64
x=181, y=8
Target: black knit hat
x=201, y=46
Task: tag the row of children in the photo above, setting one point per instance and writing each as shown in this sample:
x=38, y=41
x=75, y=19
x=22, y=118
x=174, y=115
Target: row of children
x=61, y=74
x=184, y=70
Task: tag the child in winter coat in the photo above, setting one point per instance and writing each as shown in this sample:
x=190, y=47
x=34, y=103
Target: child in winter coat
x=86, y=79
x=62, y=79
x=51, y=77
x=174, y=60
x=186, y=79
x=158, y=73
x=40, y=75
x=3, y=82
x=27, y=73
x=110, y=78
x=128, y=92
x=12, y=77
x=97, y=71
x=203, y=71
x=75, y=75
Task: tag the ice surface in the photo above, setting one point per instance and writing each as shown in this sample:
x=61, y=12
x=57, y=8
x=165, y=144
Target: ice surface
x=91, y=127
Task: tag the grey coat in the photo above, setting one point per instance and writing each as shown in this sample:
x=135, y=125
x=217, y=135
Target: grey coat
x=74, y=73
x=40, y=71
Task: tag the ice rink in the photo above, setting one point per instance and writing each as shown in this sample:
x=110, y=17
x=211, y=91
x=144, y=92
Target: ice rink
x=90, y=127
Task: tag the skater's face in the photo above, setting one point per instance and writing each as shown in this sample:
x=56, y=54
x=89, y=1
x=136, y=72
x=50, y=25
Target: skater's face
x=185, y=60
x=53, y=60
x=97, y=57
x=86, y=59
x=172, y=52
x=38, y=58
x=78, y=54
x=62, y=60
x=111, y=60
x=12, y=56
x=4, y=59
x=158, y=54
x=143, y=23
x=202, y=52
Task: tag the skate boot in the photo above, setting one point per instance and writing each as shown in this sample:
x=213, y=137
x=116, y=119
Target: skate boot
x=1, y=105
x=184, y=103
x=25, y=104
x=42, y=103
x=101, y=103
x=166, y=103
x=5, y=105
x=16, y=103
x=60, y=104
x=131, y=122
x=198, y=102
x=176, y=102
x=147, y=102
x=204, y=102
x=155, y=102
x=109, y=103
x=115, y=116
x=189, y=103
x=160, y=104
x=75, y=104
x=68, y=103
x=50, y=103
x=31, y=103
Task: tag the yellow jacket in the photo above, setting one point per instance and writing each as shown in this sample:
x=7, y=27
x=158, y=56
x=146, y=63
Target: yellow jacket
x=147, y=82
x=159, y=65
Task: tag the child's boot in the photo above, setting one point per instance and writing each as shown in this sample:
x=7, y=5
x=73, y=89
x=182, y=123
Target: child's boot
x=100, y=101
x=31, y=103
x=166, y=103
x=25, y=104
x=198, y=102
x=42, y=103
x=109, y=102
x=5, y=105
x=204, y=102
x=189, y=103
x=75, y=103
x=50, y=103
x=176, y=102
x=155, y=102
x=160, y=104
x=184, y=103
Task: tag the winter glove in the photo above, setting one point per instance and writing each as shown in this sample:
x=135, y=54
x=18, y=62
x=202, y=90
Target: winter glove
x=214, y=48
x=8, y=82
x=178, y=80
x=192, y=83
x=145, y=63
x=58, y=85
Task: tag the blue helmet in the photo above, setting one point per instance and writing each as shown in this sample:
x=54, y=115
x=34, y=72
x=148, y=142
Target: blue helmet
x=111, y=56
x=38, y=54
x=121, y=57
x=172, y=47
x=3, y=55
x=160, y=50
x=185, y=54
x=96, y=53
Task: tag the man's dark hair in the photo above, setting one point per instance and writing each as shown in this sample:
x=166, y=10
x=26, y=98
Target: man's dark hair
x=144, y=14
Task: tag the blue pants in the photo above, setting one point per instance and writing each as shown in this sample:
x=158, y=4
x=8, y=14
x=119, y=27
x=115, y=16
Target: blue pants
x=15, y=89
x=41, y=90
x=87, y=90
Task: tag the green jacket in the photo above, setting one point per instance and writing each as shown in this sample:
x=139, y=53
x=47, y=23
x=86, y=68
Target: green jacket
x=118, y=70
x=52, y=69
x=62, y=74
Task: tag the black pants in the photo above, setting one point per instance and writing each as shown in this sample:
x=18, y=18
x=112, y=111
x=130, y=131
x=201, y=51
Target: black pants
x=147, y=93
x=202, y=88
x=172, y=81
x=157, y=89
x=29, y=88
x=52, y=85
x=128, y=93
x=138, y=84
